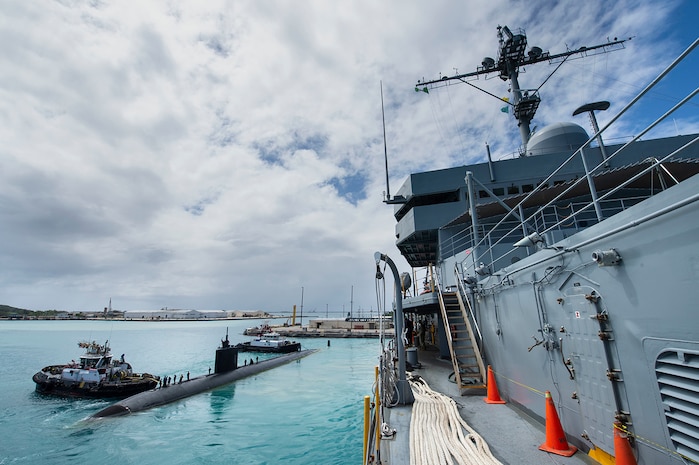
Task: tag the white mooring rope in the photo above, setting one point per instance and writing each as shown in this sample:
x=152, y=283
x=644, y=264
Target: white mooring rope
x=438, y=434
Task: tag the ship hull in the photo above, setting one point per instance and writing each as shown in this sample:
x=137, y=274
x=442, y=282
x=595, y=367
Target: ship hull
x=121, y=389
x=175, y=392
x=616, y=341
x=280, y=349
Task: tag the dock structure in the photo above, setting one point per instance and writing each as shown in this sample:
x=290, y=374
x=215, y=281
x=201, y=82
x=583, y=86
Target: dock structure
x=338, y=328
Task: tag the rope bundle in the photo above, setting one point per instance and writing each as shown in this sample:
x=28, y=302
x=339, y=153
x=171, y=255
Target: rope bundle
x=438, y=434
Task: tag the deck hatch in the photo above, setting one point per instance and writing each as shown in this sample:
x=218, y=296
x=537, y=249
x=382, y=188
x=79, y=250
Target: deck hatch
x=678, y=379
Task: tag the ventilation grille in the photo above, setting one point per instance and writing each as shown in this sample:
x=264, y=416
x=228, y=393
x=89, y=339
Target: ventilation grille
x=678, y=380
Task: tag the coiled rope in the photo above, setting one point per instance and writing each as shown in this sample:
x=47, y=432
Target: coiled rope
x=438, y=434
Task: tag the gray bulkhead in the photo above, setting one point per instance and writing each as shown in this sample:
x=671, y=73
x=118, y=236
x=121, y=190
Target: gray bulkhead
x=613, y=329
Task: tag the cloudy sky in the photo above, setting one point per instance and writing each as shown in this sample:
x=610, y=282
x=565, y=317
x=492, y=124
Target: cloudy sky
x=227, y=154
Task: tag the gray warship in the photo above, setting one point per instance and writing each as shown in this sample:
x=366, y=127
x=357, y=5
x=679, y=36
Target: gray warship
x=571, y=269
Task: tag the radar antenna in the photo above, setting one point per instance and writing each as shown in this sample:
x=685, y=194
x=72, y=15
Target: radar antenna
x=512, y=56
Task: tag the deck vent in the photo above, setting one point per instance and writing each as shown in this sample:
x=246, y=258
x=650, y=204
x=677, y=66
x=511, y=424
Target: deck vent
x=678, y=379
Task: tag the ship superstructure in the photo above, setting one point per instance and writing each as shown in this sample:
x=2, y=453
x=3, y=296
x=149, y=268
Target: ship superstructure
x=573, y=268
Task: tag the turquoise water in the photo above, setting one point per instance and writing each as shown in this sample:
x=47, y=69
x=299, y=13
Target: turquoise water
x=309, y=411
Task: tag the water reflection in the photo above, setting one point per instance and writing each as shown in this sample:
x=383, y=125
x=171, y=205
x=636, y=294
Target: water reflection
x=220, y=400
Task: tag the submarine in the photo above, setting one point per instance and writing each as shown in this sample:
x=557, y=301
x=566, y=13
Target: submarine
x=226, y=370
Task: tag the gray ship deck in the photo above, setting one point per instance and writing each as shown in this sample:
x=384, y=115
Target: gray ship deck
x=512, y=436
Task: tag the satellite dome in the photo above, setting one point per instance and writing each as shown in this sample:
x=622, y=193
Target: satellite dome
x=556, y=138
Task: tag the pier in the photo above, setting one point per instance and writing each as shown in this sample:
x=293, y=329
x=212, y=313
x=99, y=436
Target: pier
x=338, y=328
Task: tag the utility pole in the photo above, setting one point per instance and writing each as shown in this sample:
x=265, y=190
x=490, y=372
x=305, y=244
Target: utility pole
x=301, y=306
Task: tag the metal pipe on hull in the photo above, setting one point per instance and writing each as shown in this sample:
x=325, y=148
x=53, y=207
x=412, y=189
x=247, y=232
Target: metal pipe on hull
x=174, y=392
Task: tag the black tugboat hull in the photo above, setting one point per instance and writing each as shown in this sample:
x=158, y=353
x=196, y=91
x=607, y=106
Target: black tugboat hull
x=285, y=349
x=109, y=390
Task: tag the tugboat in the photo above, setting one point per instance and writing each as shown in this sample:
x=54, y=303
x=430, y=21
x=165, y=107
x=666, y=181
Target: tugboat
x=270, y=342
x=96, y=376
x=257, y=330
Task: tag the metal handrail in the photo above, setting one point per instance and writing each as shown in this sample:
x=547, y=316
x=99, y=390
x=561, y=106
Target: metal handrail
x=462, y=290
x=447, y=332
x=596, y=201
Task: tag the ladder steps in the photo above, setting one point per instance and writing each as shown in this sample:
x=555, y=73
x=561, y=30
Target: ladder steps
x=470, y=353
x=467, y=347
x=465, y=357
x=463, y=365
x=472, y=386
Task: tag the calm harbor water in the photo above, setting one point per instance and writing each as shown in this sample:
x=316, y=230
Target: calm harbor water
x=309, y=411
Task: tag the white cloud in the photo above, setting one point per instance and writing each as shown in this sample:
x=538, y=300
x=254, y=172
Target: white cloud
x=226, y=154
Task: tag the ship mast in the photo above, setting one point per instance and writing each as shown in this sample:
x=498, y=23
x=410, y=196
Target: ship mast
x=512, y=56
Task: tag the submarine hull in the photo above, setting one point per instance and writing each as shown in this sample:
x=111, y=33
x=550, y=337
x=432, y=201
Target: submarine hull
x=174, y=392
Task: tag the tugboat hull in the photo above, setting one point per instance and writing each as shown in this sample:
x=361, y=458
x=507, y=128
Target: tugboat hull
x=95, y=376
x=114, y=389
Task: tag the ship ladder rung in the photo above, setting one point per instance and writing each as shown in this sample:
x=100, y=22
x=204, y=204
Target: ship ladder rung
x=465, y=350
x=462, y=340
x=472, y=380
x=462, y=367
x=475, y=385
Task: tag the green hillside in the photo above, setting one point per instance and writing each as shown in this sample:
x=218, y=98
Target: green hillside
x=7, y=311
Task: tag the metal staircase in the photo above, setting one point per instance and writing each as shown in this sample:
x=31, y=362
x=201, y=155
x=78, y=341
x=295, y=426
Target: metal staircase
x=469, y=370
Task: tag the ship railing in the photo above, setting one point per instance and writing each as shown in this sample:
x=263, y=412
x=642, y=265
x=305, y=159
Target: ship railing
x=466, y=296
x=469, y=321
x=577, y=215
x=463, y=292
x=582, y=215
x=385, y=394
x=428, y=283
x=455, y=243
x=452, y=243
x=448, y=334
x=558, y=221
x=590, y=212
x=595, y=204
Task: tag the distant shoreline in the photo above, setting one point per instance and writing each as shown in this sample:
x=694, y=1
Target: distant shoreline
x=48, y=318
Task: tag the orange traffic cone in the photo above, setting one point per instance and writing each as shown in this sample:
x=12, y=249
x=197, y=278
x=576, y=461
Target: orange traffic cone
x=493, y=394
x=556, y=442
x=622, y=448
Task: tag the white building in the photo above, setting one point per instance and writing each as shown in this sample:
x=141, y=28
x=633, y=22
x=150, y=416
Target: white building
x=175, y=314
